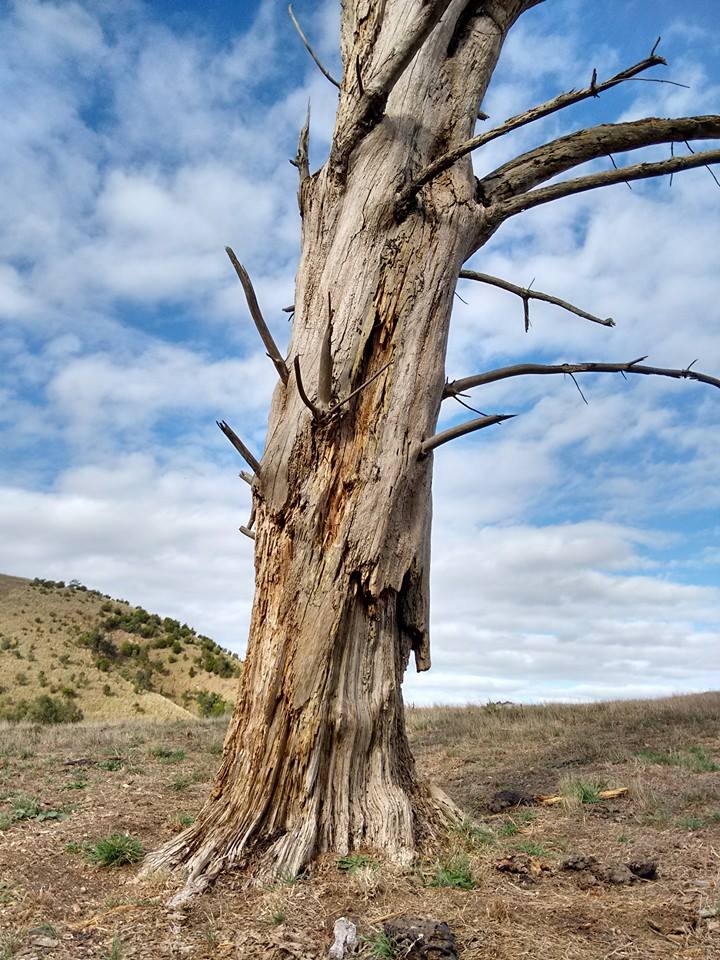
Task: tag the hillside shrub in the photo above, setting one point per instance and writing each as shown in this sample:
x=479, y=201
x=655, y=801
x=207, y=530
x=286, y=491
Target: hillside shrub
x=44, y=709
x=101, y=645
x=211, y=704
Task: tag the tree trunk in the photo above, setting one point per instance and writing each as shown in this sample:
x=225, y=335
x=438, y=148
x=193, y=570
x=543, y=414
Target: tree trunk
x=316, y=757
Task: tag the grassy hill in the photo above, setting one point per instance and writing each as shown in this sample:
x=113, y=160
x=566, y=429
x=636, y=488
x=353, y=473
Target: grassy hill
x=67, y=652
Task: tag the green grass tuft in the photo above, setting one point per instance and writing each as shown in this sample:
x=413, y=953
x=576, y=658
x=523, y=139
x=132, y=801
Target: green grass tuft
x=116, y=950
x=114, y=763
x=691, y=823
x=695, y=759
x=533, y=849
x=183, y=820
x=164, y=755
x=25, y=808
x=455, y=872
x=381, y=947
x=116, y=850
x=583, y=791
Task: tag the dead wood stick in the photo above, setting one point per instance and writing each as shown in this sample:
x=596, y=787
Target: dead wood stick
x=526, y=294
x=247, y=477
x=239, y=446
x=602, y=794
x=258, y=319
x=541, y=369
x=439, y=438
x=248, y=532
x=306, y=44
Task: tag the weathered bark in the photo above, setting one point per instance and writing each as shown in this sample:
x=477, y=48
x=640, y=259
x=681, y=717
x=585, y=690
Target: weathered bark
x=316, y=756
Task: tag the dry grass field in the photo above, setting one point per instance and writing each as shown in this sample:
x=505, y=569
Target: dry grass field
x=500, y=883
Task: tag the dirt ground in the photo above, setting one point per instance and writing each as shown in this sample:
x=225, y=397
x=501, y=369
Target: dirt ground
x=510, y=895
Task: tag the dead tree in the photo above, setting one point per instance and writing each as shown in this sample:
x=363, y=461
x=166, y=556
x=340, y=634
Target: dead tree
x=316, y=757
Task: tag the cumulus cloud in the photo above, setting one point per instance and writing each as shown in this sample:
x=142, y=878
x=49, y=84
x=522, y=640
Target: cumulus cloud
x=574, y=547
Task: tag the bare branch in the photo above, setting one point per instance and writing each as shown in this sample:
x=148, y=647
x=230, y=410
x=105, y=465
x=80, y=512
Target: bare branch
x=251, y=521
x=301, y=159
x=310, y=50
x=439, y=438
x=247, y=532
x=639, y=171
x=535, y=167
x=448, y=159
x=247, y=477
x=541, y=369
x=239, y=446
x=526, y=294
x=256, y=314
x=316, y=412
x=326, y=366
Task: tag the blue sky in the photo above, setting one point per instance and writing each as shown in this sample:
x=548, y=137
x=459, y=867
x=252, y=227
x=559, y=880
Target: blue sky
x=575, y=548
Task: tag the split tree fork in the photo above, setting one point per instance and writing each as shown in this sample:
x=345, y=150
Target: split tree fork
x=316, y=756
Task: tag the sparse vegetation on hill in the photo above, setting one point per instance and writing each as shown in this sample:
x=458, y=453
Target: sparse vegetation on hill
x=68, y=652
x=634, y=876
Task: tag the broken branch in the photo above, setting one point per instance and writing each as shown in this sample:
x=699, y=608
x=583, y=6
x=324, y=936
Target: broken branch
x=248, y=533
x=448, y=159
x=540, y=369
x=526, y=294
x=247, y=477
x=439, y=438
x=306, y=44
x=239, y=446
x=301, y=159
x=257, y=316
